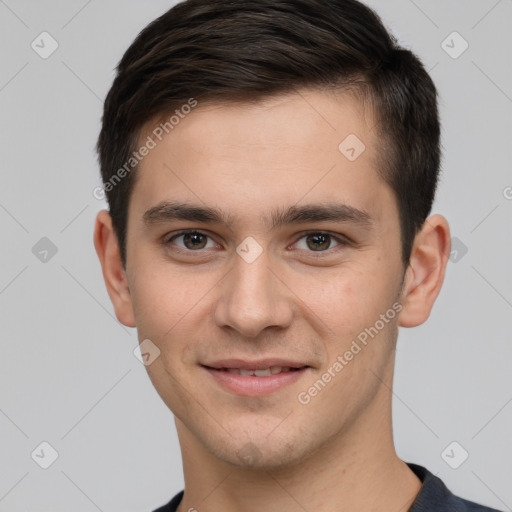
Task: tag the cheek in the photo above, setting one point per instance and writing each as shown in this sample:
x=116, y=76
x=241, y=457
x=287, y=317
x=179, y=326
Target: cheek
x=350, y=295
x=350, y=303
x=172, y=308
x=161, y=300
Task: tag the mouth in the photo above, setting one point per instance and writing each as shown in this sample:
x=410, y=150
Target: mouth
x=257, y=378
x=265, y=372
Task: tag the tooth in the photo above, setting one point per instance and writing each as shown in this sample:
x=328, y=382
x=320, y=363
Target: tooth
x=273, y=370
x=262, y=373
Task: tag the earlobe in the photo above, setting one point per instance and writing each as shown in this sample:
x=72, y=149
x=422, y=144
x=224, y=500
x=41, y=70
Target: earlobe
x=107, y=249
x=425, y=273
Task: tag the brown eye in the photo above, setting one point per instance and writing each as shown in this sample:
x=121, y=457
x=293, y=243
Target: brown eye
x=192, y=240
x=319, y=242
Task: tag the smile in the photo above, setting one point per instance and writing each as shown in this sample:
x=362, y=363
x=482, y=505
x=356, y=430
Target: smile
x=273, y=370
x=259, y=382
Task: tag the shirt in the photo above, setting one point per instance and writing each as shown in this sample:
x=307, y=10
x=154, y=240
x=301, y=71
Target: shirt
x=433, y=496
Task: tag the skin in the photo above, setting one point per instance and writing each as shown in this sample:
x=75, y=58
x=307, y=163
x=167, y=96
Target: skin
x=335, y=453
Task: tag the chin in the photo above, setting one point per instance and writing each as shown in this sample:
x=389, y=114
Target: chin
x=260, y=453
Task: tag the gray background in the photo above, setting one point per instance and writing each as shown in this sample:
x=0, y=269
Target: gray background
x=68, y=375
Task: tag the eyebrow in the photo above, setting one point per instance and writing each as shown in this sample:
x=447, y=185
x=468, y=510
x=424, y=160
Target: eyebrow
x=167, y=211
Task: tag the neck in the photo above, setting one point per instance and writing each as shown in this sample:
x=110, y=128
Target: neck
x=357, y=469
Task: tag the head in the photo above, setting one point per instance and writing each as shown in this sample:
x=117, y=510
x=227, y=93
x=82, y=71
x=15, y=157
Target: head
x=301, y=143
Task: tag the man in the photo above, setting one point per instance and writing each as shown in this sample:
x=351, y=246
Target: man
x=270, y=167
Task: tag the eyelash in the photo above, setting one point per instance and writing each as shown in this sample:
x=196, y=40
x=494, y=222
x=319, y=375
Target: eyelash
x=342, y=241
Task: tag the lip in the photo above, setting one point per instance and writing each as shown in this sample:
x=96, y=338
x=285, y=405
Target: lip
x=252, y=385
x=260, y=364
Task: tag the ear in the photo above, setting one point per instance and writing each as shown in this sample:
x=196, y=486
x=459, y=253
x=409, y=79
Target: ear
x=425, y=274
x=114, y=274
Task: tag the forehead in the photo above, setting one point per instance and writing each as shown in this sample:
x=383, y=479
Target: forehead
x=308, y=144
x=299, y=121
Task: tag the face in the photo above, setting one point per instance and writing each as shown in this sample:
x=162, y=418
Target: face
x=271, y=277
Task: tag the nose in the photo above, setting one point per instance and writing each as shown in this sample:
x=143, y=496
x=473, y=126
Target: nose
x=252, y=297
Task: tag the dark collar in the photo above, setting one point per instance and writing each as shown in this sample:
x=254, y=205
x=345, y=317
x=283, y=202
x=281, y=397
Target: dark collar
x=434, y=495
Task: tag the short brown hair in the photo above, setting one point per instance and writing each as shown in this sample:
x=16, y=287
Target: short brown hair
x=245, y=50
